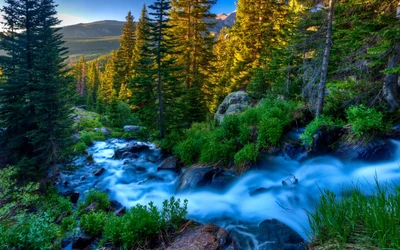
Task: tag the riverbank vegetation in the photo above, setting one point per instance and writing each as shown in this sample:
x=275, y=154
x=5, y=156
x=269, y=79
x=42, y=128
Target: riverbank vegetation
x=361, y=217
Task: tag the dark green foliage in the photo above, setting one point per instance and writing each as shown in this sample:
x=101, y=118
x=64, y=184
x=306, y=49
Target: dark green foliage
x=93, y=222
x=262, y=126
x=54, y=205
x=365, y=120
x=312, y=128
x=142, y=223
x=31, y=232
x=79, y=148
x=95, y=196
x=35, y=92
x=88, y=124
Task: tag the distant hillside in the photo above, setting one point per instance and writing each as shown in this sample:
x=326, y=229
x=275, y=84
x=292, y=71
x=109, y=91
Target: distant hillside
x=92, y=39
x=99, y=38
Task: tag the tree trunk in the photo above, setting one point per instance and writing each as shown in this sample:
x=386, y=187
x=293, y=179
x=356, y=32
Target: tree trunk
x=159, y=76
x=390, y=85
x=325, y=62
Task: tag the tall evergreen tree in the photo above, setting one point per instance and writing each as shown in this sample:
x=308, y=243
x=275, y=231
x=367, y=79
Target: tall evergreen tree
x=33, y=100
x=123, y=64
x=191, y=21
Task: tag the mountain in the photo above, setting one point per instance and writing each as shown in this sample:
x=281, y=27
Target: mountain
x=91, y=39
x=99, y=38
x=224, y=20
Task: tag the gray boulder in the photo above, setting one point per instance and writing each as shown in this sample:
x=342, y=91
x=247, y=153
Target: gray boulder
x=105, y=132
x=234, y=103
x=171, y=163
x=131, y=128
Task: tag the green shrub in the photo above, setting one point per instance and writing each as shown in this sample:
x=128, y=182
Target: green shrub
x=248, y=153
x=55, y=205
x=100, y=198
x=88, y=124
x=116, y=134
x=98, y=136
x=269, y=132
x=127, y=135
x=216, y=148
x=365, y=120
x=79, y=148
x=189, y=149
x=143, y=134
x=93, y=222
x=141, y=223
x=86, y=138
x=68, y=224
x=120, y=114
x=173, y=212
x=113, y=230
x=230, y=126
x=308, y=135
x=33, y=231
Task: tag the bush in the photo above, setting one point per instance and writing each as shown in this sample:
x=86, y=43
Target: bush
x=217, y=148
x=55, y=205
x=100, y=198
x=113, y=230
x=308, y=135
x=31, y=232
x=173, y=212
x=69, y=223
x=93, y=222
x=365, y=120
x=86, y=138
x=88, y=124
x=269, y=132
x=120, y=114
x=79, y=148
x=141, y=223
x=230, y=127
x=248, y=153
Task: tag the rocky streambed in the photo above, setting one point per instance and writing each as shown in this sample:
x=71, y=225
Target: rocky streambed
x=262, y=209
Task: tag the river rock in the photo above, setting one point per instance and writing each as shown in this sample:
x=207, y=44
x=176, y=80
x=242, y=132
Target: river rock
x=375, y=150
x=105, y=132
x=120, y=212
x=99, y=172
x=131, y=128
x=324, y=140
x=280, y=236
x=132, y=148
x=234, y=103
x=207, y=237
x=72, y=195
x=115, y=205
x=195, y=177
x=81, y=242
x=171, y=163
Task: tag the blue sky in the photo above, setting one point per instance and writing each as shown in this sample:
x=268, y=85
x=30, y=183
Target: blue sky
x=76, y=11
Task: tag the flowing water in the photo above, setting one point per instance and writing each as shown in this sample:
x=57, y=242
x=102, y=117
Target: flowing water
x=251, y=198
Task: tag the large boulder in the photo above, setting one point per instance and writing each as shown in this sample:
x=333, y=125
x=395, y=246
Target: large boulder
x=234, y=103
x=171, y=163
x=207, y=237
x=196, y=177
x=324, y=140
x=132, y=148
x=279, y=235
x=199, y=176
x=374, y=150
x=131, y=128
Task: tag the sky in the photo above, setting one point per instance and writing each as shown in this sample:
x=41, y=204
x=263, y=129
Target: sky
x=83, y=11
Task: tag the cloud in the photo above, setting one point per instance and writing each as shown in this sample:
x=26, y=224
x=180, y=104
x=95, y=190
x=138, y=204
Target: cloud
x=70, y=20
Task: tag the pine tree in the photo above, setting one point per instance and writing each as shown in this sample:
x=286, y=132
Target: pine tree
x=191, y=21
x=124, y=59
x=34, y=107
x=108, y=77
x=92, y=85
x=80, y=76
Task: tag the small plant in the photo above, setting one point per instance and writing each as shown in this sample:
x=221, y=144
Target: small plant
x=113, y=229
x=88, y=124
x=248, y=153
x=365, y=120
x=312, y=128
x=269, y=132
x=68, y=224
x=79, y=148
x=87, y=138
x=93, y=222
x=173, y=212
x=100, y=198
x=55, y=205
